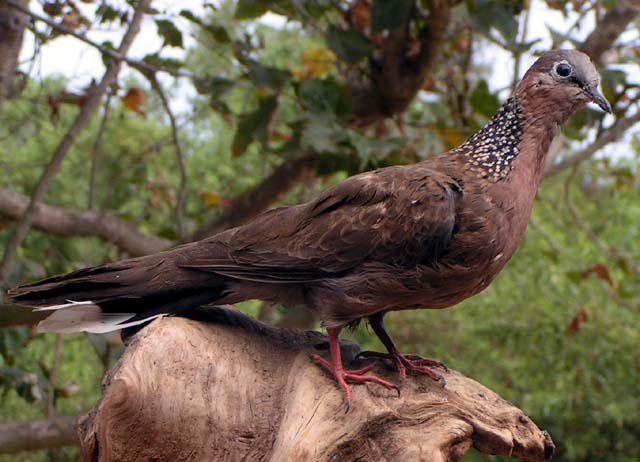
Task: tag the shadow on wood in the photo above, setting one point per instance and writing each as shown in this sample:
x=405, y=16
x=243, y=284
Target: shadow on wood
x=234, y=389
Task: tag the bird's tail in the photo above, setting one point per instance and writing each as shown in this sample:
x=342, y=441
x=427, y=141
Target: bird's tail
x=116, y=295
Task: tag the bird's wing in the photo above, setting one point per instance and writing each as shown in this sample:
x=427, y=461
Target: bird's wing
x=398, y=215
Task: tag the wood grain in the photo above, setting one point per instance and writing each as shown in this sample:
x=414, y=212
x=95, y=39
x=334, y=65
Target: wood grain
x=225, y=387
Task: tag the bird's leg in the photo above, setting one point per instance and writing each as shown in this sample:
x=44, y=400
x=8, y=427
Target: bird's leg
x=403, y=363
x=342, y=376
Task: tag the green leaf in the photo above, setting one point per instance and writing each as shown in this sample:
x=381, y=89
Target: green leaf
x=389, y=14
x=12, y=341
x=188, y=14
x=107, y=13
x=215, y=86
x=324, y=95
x=482, y=100
x=250, y=9
x=26, y=384
x=329, y=163
x=219, y=33
x=169, y=32
x=321, y=134
x=253, y=126
x=266, y=76
x=374, y=153
x=302, y=10
x=349, y=45
x=580, y=121
x=610, y=79
x=105, y=59
x=574, y=276
x=168, y=232
x=502, y=15
x=156, y=60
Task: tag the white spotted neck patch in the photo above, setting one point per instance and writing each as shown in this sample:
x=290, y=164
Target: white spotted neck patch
x=492, y=150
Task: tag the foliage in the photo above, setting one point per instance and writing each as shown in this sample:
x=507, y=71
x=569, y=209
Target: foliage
x=557, y=333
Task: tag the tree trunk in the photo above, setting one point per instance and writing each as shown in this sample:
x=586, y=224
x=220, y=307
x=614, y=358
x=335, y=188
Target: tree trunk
x=12, y=24
x=233, y=389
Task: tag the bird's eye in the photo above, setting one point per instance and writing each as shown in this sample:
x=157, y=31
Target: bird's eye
x=563, y=70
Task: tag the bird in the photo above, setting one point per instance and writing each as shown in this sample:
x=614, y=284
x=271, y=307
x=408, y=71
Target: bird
x=420, y=236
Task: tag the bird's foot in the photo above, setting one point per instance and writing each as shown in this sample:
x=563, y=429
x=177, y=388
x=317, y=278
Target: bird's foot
x=413, y=363
x=354, y=376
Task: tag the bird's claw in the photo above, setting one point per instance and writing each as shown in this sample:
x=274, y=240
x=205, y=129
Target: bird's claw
x=413, y=363
x=353, y=376
x=420, y=361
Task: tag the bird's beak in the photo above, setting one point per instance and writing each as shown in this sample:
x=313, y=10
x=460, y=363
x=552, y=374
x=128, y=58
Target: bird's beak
x=596, y=97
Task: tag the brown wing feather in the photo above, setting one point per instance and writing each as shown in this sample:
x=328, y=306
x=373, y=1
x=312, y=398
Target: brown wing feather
x=397, y=215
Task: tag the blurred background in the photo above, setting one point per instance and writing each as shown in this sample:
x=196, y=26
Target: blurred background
x=223, y=109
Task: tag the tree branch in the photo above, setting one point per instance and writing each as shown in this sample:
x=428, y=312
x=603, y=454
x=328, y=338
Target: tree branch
x=95, y=94
x=612, y=134
x=249, y=203
x=609, y=29
x=116, y=55
x=38, y=434
x=394, y=82
x=65, y=222
x=12, y=24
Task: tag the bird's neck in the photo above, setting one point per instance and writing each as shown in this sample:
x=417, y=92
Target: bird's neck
x=516, y=140
x=491, y=151
x=543, y=111
x=537, y=136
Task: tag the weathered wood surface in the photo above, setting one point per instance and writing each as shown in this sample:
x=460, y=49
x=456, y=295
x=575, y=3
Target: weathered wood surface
x=237, y=390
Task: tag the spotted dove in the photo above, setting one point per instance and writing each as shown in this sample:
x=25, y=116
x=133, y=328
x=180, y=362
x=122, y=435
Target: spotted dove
x=427, y=235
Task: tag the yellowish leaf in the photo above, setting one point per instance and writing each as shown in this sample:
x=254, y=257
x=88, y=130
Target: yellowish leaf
x=134, y=99
x=212, y=199
x=317, y=62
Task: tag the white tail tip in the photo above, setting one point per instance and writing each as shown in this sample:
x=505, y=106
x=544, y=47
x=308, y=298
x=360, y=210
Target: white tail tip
x=85, y=316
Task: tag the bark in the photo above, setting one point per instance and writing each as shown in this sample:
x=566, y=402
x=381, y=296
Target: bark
x=12, y=24
x=234, y=389
x=65, y=222
x=38, y=434
x=609, y=29
x=394, y=82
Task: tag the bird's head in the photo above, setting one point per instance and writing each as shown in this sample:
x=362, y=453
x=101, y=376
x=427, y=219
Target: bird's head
x=563, y=81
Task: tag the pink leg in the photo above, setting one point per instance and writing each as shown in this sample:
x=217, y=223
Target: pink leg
x=342, y=376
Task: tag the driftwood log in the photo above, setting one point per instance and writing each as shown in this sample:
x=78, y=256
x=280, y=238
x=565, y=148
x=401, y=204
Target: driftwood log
x=224, y=387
